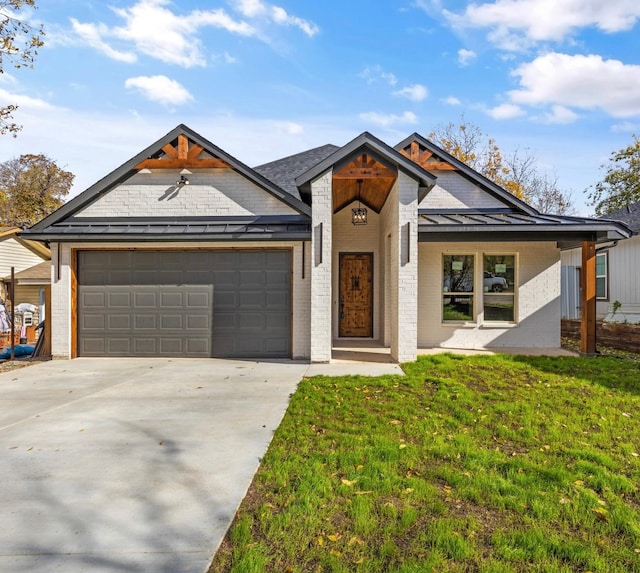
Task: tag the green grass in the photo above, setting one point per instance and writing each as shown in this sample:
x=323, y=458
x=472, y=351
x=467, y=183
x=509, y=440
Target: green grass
x=488, y=464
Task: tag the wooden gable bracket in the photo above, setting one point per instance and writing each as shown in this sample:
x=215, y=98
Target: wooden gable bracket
x=364, y=167
x=182, y=157
x=423, y=159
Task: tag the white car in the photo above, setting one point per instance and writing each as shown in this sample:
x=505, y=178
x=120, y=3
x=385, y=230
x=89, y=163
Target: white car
x=493, y=283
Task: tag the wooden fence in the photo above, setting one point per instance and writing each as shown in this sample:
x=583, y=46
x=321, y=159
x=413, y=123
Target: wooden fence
x=612, y=334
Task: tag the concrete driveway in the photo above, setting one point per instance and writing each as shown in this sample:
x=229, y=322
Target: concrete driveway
x=116, y=465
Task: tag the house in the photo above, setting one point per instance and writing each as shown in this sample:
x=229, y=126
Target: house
x=186, y=251
x=28, y=258
x=617, y=269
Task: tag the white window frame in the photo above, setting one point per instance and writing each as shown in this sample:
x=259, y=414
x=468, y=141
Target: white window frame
x=514, y=293
x=605, y=276
x=473, y=294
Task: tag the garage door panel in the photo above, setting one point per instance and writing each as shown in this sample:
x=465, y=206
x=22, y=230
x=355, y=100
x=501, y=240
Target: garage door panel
x=227, y=303
x=277, y=279
x=171, y=322
x=95, y=345
x=171, y=300
x=144, y=298
x=224, y=279
x=251, y=321
x=276, y=300
x=119, y=299
x=142, y=277
x=118, y=346
x=92, y=299
x=224, y=321
x=119, y=322
x=252, y=279
x=145, y=322
x=145, y=346
x=251, y=299
x=198, y=322
x=277, y=345
x=198, y=300
x=93, y=322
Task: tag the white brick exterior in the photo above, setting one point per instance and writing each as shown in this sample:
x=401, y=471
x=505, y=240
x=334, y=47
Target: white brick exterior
x=537, y=298
x=321, y=266
x=211, y=192
x=61, y=295
x=407, y=275
x=453, y=191
x=401, y=260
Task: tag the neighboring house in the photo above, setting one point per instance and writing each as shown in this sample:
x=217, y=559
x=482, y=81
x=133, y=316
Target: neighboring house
x=617, y=271
x=22, y=254
x=186, y=251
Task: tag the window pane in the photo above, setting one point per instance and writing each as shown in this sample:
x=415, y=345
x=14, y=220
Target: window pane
x=499, y=273
x=457, y=307
x=601, y=265
x=499, y=307
x=457, y=273
x=601, y=287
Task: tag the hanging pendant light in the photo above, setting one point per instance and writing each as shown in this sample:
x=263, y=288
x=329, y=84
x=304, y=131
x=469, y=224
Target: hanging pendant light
x=359, y=213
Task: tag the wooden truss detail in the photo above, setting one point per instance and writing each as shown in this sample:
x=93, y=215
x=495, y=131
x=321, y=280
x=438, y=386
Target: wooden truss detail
x=182, y=156
x=425, y=159
x=364, y=167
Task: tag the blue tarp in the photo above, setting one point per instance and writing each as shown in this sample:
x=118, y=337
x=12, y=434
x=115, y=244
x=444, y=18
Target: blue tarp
x=19, y=350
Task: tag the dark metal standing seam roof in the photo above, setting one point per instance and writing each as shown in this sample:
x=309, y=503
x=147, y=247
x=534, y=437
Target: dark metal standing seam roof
x=297, y=228
x=503, y=225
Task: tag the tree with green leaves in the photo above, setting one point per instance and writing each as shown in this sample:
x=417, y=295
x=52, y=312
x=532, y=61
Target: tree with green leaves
x=31, y=187
x=19, y=44
x=621, y=183
x=517, y=173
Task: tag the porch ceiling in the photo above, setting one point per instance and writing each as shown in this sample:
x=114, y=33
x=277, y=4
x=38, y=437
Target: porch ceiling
x=376, y=181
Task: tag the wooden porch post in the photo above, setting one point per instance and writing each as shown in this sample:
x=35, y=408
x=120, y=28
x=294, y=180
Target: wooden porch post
x=588, y=327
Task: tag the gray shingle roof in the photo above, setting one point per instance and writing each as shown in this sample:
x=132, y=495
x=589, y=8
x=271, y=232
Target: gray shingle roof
x=629, y=215
x=283, y=172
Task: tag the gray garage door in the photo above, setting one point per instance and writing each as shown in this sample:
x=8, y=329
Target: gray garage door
x=222, y=303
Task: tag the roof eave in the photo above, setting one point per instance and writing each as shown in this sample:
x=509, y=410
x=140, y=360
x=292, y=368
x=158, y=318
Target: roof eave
x=369, y=141
x=126, y=170
x=470, y=173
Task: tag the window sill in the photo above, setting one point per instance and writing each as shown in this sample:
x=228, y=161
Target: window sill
x=501, y=325
x=454, y=324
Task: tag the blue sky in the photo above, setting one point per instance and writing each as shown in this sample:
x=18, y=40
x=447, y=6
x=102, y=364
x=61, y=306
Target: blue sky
x=560, y=78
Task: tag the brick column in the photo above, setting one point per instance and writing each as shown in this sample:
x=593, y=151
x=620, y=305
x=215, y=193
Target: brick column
x=321, y=220
x=404, y=265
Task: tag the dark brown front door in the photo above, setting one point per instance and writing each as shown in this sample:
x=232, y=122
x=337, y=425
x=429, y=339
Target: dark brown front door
x=356, y=295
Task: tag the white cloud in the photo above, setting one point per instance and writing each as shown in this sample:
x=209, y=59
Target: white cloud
x=584, y=82
x=505, y=111
x=626, y=127
x=372, y=74
x=25, y=103
x=560, y=114
x=416, y=92
x=515, y=24
x=451, y=100
x=151, y=28
x=465, y=57
x=277, y=14
x=92, y=34
x=280, y=16
x=388, y=120
x=160, y=89
x=292, y=128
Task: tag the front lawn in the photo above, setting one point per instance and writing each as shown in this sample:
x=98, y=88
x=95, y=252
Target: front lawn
x=482, y=464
